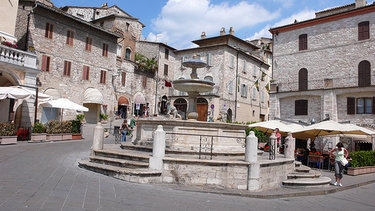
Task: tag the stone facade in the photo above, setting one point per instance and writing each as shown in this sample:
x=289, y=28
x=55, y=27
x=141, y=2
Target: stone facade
x=332, y=61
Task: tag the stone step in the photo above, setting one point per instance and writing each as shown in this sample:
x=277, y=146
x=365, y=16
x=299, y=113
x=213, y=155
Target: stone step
x=124, y=154
x=303, y=168
x=311, y=174
x=307, y=182
x=123, y=173
x=118, y=162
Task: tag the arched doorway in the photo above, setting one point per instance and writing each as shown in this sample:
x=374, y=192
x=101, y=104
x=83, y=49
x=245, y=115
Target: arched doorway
x=140, y=105
x=202, y=108
x=229, y=115
x=122, y=108
x=92, y=99
x=181, y=106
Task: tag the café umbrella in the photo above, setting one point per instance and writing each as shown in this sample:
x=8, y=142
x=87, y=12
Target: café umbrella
x=329, y=127
x=64, y=103
x=269, y=126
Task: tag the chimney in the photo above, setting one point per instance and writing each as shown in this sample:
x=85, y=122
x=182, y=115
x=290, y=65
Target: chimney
x=231, y=31
x=203, y=35
x=222, y=31
x=360, y=3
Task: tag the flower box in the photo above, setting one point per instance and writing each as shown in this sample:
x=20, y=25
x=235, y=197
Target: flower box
x=38, y=137
x=54, y=137
x=361, y=170
x=8, y=139
x=67, y=136
x=77, y=136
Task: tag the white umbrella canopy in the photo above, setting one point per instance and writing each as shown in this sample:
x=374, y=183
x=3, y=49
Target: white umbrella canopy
x=65, y=104
x=14, y=92
x=329, y=127
x=284, y=126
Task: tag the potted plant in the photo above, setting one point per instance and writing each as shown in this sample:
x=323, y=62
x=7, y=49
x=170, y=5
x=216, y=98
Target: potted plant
x=8, y=133
x=81, y=118
x=54, y=130
x=361, y=162
x=66, y=130
x=76, y=129
x=38, y=132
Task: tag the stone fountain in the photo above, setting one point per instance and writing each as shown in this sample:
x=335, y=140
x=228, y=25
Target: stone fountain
x=193, y=86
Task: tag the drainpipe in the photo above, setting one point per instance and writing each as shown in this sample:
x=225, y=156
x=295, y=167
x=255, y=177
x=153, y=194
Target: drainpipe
x=235, y=96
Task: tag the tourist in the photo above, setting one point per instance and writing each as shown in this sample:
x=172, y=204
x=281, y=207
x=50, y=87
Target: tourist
x=125, y=129
x=339, y=153
x=278, y=138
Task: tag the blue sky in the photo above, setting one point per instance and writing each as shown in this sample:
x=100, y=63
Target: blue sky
x=178, y=22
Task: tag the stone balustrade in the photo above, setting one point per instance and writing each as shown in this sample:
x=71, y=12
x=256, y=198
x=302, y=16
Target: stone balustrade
x=17, y=57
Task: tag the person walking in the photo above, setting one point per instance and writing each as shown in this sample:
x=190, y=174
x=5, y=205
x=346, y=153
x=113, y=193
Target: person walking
x=339, y=153
x=124, y=130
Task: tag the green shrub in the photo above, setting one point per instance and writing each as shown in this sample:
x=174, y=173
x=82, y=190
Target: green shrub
x=362, y=158
x=56, y=127
x=76, y=126
x=39, y=128
x=104, y=117
x=7, y=129
x=80, y=117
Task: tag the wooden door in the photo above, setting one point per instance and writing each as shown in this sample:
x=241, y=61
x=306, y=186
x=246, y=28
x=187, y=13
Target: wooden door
x=202, y=112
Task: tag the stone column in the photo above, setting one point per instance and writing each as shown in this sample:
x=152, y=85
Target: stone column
x=251, y=156
x=98, y=138
x=290, y=145
x=158, y=151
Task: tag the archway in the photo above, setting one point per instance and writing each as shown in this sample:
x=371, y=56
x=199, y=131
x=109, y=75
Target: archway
x=229, y=115
x=122, y=108
x=181, y=106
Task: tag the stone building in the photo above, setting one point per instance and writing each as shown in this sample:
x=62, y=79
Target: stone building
x=323, y=67
x=241, y=79
x=77, y=58
x=17, y=68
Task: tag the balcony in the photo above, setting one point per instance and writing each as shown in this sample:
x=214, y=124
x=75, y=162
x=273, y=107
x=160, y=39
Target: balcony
x=17, y=57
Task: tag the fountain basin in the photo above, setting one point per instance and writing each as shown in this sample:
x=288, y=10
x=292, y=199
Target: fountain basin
x=193, y=85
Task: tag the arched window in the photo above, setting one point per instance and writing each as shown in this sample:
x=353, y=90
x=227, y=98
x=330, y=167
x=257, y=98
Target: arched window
x=127, y=53
x=364, y=74
x=302, y=79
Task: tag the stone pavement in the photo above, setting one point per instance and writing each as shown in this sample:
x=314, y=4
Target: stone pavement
x=348, y=182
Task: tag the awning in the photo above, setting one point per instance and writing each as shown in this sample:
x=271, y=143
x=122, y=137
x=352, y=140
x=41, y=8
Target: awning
x=54, y=93
x=123, y=101
x=93, y=95
x=139, y=99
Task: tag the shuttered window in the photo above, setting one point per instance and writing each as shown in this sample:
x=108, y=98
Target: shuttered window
x=49, y=31
x=103, y=76
x=67, y=68
x=350, y=105
x=302, y=79
x=105, y=50
x=302, y=42
x=123, y=78
x=364, y=74
x=364, y=30
x=45, y=63
x=69, y=37
x=88, y=43
x=85, y=72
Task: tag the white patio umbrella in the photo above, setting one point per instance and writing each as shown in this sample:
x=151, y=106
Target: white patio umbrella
x=64, y=104
x=14, y=92
x=284, y=126
x=329, y=127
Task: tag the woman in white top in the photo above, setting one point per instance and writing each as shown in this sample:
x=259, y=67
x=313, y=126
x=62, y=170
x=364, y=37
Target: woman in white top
x=340, y=153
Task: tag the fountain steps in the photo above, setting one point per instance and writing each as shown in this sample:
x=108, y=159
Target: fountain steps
x=304, y=176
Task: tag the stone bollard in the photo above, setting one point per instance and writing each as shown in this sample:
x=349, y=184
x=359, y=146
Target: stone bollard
x=251, y=155
x=290, y=145
x=251, y=148
x=158, y=151
x=98, y=137
x=273, y=147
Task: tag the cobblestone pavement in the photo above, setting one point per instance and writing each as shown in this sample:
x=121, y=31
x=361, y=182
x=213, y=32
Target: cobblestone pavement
x=46, y=176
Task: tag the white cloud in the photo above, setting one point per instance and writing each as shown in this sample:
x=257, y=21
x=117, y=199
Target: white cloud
x=182, y=21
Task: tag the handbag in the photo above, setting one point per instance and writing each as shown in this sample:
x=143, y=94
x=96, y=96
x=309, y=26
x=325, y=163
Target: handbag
x=344, y=161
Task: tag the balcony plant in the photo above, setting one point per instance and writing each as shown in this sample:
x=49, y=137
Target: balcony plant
x=38, y=132
x=8, y=133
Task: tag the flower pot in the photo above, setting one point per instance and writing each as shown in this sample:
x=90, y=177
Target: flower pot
x=67, y=136
x=8, y=139
x=361, y=170
x=76, y=136
x=54, y=137
x=38, y=136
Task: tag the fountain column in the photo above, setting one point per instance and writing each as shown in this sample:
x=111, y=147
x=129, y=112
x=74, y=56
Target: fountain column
x=192, y=108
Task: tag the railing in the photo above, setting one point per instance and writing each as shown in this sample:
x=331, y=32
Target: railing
x=17, y=57
x=206, y=142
